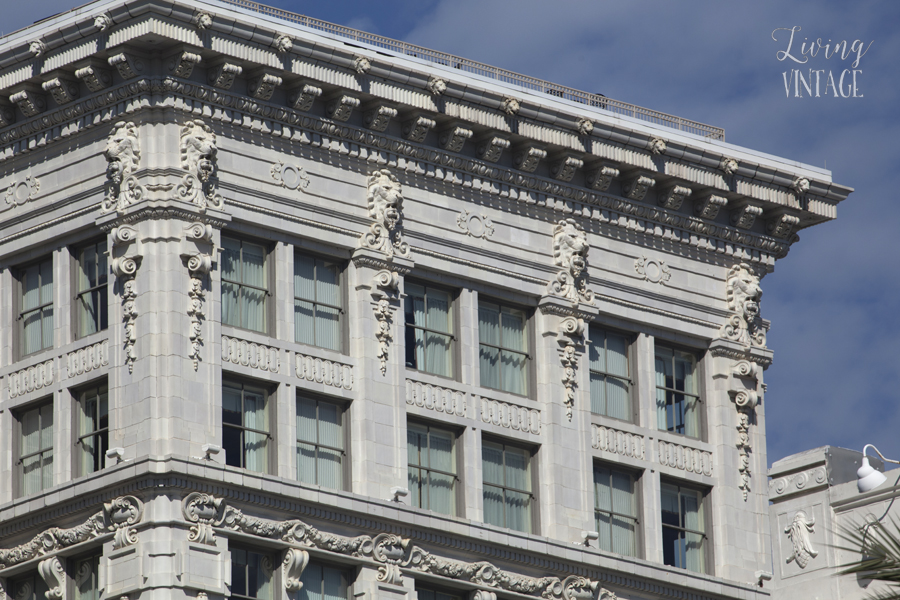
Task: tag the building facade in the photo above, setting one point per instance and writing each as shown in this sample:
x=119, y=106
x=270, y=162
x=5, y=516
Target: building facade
x=290, y=310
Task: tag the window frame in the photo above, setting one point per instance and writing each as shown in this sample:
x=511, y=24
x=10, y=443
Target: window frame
x=77, y=443
x=454, y=327
x=533, y=506
x=347, y=580
x=34, y=576
x=529, y=355
x=698, y=379
x=274, y=582
x=268, y=304
x=458, y=487
x=637, y=501
x=19, y=466
x=72, y=572
x=345, y=436
x=631, y=380
x=343, y=316
x=20, y=311
x=458, y=595
x=271, y=408
x=76, y=253
x=703, y=505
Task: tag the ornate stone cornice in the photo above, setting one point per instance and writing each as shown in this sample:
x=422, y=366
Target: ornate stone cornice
x=797, y=483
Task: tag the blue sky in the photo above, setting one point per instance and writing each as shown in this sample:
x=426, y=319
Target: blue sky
x=833, y=302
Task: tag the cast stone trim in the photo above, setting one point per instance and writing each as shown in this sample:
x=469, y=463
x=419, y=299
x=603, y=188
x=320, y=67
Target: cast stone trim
x=118, y=517
x=127, y=65
x=744, y=395
x=454, y=138
x=436, y=398
x=478, y=226
x=599, y=179
x=123, y=156
x=570, y=250
x=707, y=207
x=182, y=65
x=379, y=117
x=571, y=340
x=263, y=85
x=292, y=177
x=565, y=169
x=798, y=532
x=341, y=107
x=198, y=267
x=508, y=415
x=491, y=148
x=391, y=552
x=656, y=146
x=729, y=166
x=743, y=295
x=32, y=378
x=436, y=85
x=614, y=441
x=654, y=271
x=684, y=458
x=283, y=44
x=198, y=156
x=320, y=370
x=54, y=575
x=417, y=128
x=636, y=187
x=385, y=287
x=673, y=197
x=385, y=199
x=62, y=90
x=87, y=359
x=102, y=22
x=528, y=158
x=125, y=269
x=304, y=97
x=20, y=192
x=250, y=354
x=798, y=482
x=222, y=74
x=95, y=78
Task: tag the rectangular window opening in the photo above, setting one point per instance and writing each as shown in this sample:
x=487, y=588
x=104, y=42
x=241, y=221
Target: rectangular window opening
x=91, y=304
x=245, y=285
x=36, y=307
x=429, y=330
x=677, y=395
x=245, y=426
x=432, y=471
x=321, y=454
x=318, y=311
x=610, y=375
x=506, y=472
x=503, y=348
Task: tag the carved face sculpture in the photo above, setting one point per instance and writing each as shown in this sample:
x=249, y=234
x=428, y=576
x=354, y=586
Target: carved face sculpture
x=198, y=149
x=744, y=292
x=570, y=247
x=384, y=198
x=122, y=152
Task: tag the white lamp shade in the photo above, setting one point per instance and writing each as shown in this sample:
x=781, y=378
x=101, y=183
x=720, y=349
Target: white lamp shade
x=869, y=478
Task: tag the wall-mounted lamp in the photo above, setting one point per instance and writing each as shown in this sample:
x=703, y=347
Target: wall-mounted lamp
x=588, y=536
x=398, y=492
x=117, y=454
x=869, y=478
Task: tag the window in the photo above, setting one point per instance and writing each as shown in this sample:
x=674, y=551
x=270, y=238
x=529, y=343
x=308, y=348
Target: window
x=429, y=330
x=30, y=587
x=36, y=312
x=507, y=486
x=317, y=302
x=432, y=468
x=93, y=428
x=36, y=448
x=87, y=581
x=503, y=348
x=90, y=289
x=251, y=574
x=677, y=398
x=682, y=528
x=245, y=426
x=320, y=443
x=427, y=594
x=615, y=510
x=322, y=582
x=244, y=285
x=610, y=382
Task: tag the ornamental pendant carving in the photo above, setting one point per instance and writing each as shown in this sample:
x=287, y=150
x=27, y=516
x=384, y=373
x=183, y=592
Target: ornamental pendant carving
x=798, y=532
x=385, y=202
x=385, y=286
x=125, y=269
x=123, y=156
x=198, y=158
x=198, y=266
x=570, y=249
x=571, y=339
x=204, y=511
x=745, y=400
x=743, y=296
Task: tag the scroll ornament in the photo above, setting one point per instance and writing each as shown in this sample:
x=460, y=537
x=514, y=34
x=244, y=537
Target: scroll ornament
x=798, y=532
x=198, y=156
x=198, y=266
x=117, y=517
x=571, y=338
x=125, y=269
x=745, y=400
x=392, y=552
x=385, y=201
x=385, y=284
x=743, y=295
x=123, y=156
x=570, y=249
x=54, y=575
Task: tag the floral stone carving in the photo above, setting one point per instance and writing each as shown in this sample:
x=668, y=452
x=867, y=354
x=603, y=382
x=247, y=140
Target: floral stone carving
x=798, y=532
x=198, y=155
x=198, y=266
x=204, y=511
x=123, y=156
x=570, y=249
x=385, y=286
x=571, y=338
x=292, y=177
x=743, y=296
x=125, y=269
x=385, y=201
x=20, y=192
x=478, y=226
x=654, y=271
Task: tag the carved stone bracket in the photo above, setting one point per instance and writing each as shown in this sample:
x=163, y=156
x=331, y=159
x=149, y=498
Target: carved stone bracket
x=222, y=74
x=94, y=77
x=743, y=295
x=478, y=226
x=304, y=96
x=117, y=516
x=707, y=207
x=263, y=85
x=183, y=63
x=123, y=156
x=341, y=107
x=800, y=186
x=391, y=552
x=292, y=177
x=744, y=216
x=54, y=575
x=654, y=271
x=782, y=226
x=798, y=532
x=454, y=138
x=491, y=148
x=385, y=200
x=565, y=169
x=30, y=102
x=20, y=192
x=62, y=90
x=529, y=157
x=636, y=188
x=673, y=197
x=204, y=511
x=570, y=250
x=417, y=128
x=600, y=178
x=198, y=158
x=379, y=117
x=571, y=340
x=127, y=65
x=37, y=48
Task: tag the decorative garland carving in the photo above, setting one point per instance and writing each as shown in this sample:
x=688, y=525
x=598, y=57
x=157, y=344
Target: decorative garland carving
x=798, y=532
x=123, y=155
x=392, y=552
x=385, y=200
x=478, y=226
x=570, y=250
x=20, y=192
x=743, y=295
x=198, y=155
x=654, y=271
x=117, y=516
x=571, y=338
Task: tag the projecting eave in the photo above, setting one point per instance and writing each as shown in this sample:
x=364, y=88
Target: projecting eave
x=578, y=152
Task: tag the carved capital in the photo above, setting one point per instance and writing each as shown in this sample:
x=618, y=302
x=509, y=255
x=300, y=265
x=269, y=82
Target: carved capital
x=198, y=158
x=385, y=202
x=570, y=250
x=121, y=514
x=205, y=511
x=123, y=157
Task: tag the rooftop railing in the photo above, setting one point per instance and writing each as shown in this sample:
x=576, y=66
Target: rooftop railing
x=470, y=66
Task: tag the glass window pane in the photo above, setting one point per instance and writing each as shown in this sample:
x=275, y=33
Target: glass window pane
x=305, y=277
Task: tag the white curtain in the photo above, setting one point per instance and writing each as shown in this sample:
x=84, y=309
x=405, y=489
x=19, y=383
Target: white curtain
x=663, y=371
x=608, y=356
x=37, y=435
x=513, y=363
x=86, y=584
x=416, y=440
x=518, y=505
x=438, y=359
x=489, y=333
x=440, y=486
x=256, y=416
x=623, y=529
x=323, y=583
x=492, y=473
x=92, y=270
x=254, y=300
x=231, y=270
x=86, y=425
x=37, y=290
x=317, y=283
x=304, y=296
x=320, y=439
x=684, y=379
x=693, y=519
